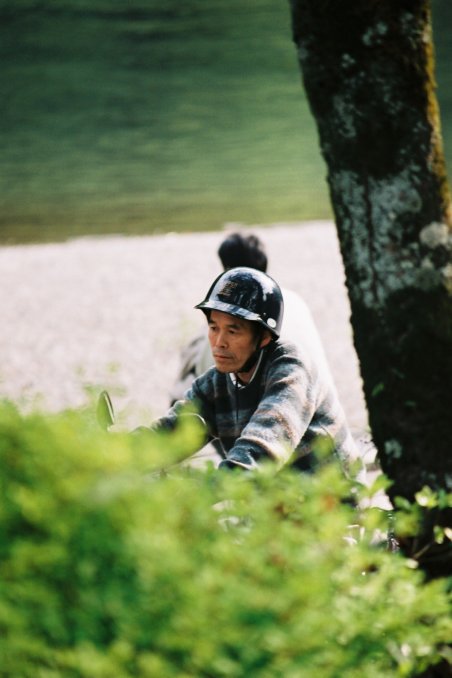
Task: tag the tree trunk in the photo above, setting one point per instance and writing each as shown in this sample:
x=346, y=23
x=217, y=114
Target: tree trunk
x=367, y=67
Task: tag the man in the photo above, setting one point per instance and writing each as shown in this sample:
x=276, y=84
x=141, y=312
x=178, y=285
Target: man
x=262, y=400
x=240, y=249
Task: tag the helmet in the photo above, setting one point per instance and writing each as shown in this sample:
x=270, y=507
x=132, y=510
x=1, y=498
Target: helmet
x=247, y=293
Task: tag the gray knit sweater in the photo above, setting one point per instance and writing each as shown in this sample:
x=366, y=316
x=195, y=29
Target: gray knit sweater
x=280, y=415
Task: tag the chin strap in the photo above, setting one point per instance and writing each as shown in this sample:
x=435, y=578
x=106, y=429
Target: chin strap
x=254, y=357
x=251, y=362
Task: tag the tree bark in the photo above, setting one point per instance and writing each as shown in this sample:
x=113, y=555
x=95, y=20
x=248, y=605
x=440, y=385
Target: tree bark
x=367, y=67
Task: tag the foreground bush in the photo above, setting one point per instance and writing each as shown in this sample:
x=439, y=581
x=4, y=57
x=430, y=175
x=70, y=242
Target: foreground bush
x=108, y=570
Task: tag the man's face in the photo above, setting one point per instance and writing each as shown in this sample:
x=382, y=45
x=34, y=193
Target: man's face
x=232, y=341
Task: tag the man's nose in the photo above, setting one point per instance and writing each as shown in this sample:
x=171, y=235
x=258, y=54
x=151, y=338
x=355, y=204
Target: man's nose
x=221, y=339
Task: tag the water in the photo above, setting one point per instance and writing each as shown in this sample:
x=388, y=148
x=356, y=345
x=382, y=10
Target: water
x=154, y=116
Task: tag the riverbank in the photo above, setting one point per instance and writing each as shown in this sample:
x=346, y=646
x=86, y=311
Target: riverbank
x=113, y=312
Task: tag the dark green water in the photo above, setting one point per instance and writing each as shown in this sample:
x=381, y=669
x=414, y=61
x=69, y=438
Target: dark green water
x=148, y=116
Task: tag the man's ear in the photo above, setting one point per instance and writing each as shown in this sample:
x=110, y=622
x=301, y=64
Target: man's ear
x=266, y=339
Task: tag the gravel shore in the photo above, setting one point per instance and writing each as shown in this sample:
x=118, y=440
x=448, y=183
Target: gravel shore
x=113, y=313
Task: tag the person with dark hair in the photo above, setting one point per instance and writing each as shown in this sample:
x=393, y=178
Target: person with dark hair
x=262, y=400
x=240, y=249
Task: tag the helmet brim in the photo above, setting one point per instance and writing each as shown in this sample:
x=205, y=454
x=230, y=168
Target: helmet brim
x=237, y=311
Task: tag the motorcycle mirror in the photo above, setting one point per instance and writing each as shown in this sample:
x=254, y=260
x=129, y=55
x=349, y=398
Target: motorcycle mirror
x=105, y=413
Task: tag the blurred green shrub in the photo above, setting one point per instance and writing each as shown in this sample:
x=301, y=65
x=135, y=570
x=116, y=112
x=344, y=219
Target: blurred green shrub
x=110, y=570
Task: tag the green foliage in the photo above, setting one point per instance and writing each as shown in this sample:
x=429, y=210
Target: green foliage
x=108, y=568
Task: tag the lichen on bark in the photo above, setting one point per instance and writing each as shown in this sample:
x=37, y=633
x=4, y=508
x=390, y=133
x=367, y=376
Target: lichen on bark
x=374, y=246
